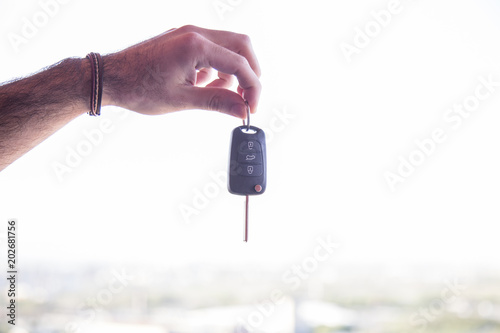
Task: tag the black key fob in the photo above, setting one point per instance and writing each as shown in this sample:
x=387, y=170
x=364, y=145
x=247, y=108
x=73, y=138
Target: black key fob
x=247, y=161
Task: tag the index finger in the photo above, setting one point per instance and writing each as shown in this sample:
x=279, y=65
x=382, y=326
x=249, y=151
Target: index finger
x=229, y=62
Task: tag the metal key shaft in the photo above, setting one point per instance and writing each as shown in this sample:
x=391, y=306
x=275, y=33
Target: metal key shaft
x=245, y=237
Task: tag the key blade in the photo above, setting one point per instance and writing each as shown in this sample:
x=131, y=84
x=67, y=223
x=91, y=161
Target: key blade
x=245, y=237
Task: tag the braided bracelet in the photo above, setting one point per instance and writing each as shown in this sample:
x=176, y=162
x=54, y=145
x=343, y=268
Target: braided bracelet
x=96, y=94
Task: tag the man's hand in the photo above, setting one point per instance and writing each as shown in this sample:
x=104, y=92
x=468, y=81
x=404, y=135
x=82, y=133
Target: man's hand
x=164, y=74
x=157, y=76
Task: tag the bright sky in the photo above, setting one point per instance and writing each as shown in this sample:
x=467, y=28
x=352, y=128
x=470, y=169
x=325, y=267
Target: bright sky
x=335, y=129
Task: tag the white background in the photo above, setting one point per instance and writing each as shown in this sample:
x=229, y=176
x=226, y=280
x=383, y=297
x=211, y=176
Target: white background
x=348, y=124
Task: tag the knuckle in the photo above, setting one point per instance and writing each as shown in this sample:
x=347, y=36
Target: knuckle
x=215, y=102
x=242, y=65
x=188, y=28
x=192, y=37
x=192, y=40
x=241, y=61
x=244, y=39
x=243, y=43
x=258, y=86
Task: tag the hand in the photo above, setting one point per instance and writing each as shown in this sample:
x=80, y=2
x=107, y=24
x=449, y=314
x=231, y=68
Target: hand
x=164, y=74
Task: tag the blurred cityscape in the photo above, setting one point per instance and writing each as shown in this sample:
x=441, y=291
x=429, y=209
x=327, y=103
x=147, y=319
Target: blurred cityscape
x=206, y=299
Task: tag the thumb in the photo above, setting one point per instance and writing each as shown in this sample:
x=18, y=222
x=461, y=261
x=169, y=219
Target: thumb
x=217, y=99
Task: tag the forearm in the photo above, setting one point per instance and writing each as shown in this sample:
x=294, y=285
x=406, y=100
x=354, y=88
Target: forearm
x=32, y=109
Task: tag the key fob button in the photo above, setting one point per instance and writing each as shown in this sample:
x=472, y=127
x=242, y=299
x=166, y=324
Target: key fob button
x=250, y=170
x=250, y=146
x=250, y=158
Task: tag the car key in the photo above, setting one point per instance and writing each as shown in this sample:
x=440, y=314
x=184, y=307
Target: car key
x=247, y=163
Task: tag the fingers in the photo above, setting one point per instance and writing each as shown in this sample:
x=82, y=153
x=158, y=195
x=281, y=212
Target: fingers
x=224, y=81
x=229, y=62
x=232, y=55
x=238, y=43
x=203, y=75
x=216, y=99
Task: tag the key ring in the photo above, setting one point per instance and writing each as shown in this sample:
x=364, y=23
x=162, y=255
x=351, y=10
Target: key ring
x=248, y=117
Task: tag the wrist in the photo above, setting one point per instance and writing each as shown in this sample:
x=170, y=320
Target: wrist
x=111, y=75
x=123, y=85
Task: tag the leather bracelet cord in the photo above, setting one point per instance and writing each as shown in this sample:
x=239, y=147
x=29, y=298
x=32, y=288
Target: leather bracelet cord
x=96, y=94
